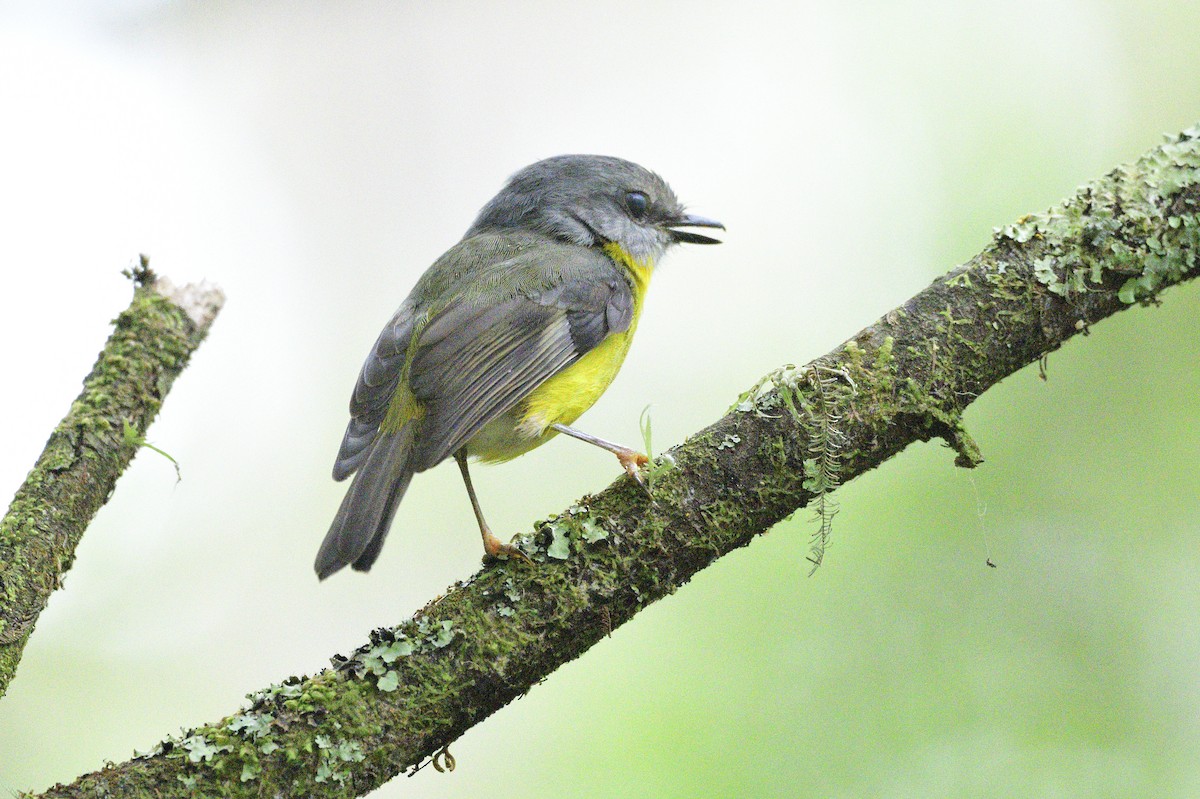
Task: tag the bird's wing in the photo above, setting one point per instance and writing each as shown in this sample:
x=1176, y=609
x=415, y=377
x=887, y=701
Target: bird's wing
x=481, y=355
x=506, y=318
x=376, y=386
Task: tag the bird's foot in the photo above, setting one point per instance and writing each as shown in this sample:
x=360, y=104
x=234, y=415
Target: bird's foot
x=632, y=462
x=495, y=549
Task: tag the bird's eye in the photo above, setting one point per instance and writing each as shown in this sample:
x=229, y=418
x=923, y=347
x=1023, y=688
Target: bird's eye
x=638, y=203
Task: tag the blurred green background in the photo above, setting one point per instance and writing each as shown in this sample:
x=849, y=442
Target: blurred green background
x=313, y=159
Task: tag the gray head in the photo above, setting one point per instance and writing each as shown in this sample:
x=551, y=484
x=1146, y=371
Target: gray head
x=592, y=200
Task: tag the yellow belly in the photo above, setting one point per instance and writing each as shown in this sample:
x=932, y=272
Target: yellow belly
x=564, y=397
x=560, y=400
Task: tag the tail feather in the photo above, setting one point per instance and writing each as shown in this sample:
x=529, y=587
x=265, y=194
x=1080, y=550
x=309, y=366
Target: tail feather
x=365, y=560
x=367, y=510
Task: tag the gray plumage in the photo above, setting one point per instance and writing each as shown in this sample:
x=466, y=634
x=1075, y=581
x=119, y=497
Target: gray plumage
x=525, y=294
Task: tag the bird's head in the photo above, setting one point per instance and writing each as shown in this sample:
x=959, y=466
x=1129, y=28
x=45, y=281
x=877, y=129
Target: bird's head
x=594, y=200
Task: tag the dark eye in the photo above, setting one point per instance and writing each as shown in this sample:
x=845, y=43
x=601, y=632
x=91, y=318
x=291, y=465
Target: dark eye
x=638, y=203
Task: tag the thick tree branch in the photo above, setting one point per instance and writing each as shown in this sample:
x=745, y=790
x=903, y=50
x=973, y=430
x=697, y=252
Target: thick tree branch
x=413, y=689
x=90, y=448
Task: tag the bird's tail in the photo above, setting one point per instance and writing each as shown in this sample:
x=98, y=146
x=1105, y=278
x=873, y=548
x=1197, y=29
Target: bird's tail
x=366, y=513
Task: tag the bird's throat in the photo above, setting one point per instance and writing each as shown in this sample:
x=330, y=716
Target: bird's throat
x=637, y=271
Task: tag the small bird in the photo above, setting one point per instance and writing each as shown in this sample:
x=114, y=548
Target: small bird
x=506, y=340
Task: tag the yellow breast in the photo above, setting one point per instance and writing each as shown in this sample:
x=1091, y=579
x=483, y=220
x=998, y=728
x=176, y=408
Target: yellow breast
x=563, y=398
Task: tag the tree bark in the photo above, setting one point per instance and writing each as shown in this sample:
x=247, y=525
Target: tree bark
x=413, y=689
x=76, y=473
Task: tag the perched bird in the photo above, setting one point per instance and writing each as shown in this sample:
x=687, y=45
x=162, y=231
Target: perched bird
x=506, y=339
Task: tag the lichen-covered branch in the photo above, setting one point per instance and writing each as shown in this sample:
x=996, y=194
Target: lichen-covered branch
x=412, y=690
x=86, y=453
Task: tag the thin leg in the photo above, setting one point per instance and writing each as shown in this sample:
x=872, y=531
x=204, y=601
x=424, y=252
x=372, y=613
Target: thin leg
x=493, y=546
x=631, y=460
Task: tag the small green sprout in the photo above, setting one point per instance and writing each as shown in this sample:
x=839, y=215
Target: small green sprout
x=655, y=467
x=134, y=439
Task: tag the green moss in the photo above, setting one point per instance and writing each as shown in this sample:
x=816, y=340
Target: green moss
x=338, y=721
x=1114, y=227
x=87, y=451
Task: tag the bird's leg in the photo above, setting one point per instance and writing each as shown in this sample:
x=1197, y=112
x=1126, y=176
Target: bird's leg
x=492, y=546
x=631, y=460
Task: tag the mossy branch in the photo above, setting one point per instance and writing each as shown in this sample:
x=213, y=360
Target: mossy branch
x=75, y=475
x=410, y=691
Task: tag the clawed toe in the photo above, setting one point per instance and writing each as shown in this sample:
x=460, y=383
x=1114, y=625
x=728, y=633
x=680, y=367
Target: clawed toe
x=632, y=462
x=495, y=549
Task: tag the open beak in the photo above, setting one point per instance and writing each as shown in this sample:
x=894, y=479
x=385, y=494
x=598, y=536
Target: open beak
x=691, y=220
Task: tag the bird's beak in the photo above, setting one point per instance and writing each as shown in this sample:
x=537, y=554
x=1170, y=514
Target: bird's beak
x=691, y=220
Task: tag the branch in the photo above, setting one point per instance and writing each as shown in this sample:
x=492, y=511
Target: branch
x=411, y=690
x=92, y=445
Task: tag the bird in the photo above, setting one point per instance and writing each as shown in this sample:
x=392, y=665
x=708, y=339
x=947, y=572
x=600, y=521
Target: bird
x=505, y=340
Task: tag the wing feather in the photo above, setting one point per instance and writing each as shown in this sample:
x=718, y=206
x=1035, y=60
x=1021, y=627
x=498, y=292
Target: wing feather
x=377, y=384
x=474, y=362
x=497, y=366
x=485, y=333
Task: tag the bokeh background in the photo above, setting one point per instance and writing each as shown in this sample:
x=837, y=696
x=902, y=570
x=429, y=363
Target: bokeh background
x=314, y=158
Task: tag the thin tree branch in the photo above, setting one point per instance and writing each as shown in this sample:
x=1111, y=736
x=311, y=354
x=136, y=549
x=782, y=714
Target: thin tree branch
x=411, y=690
x=75, y=475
